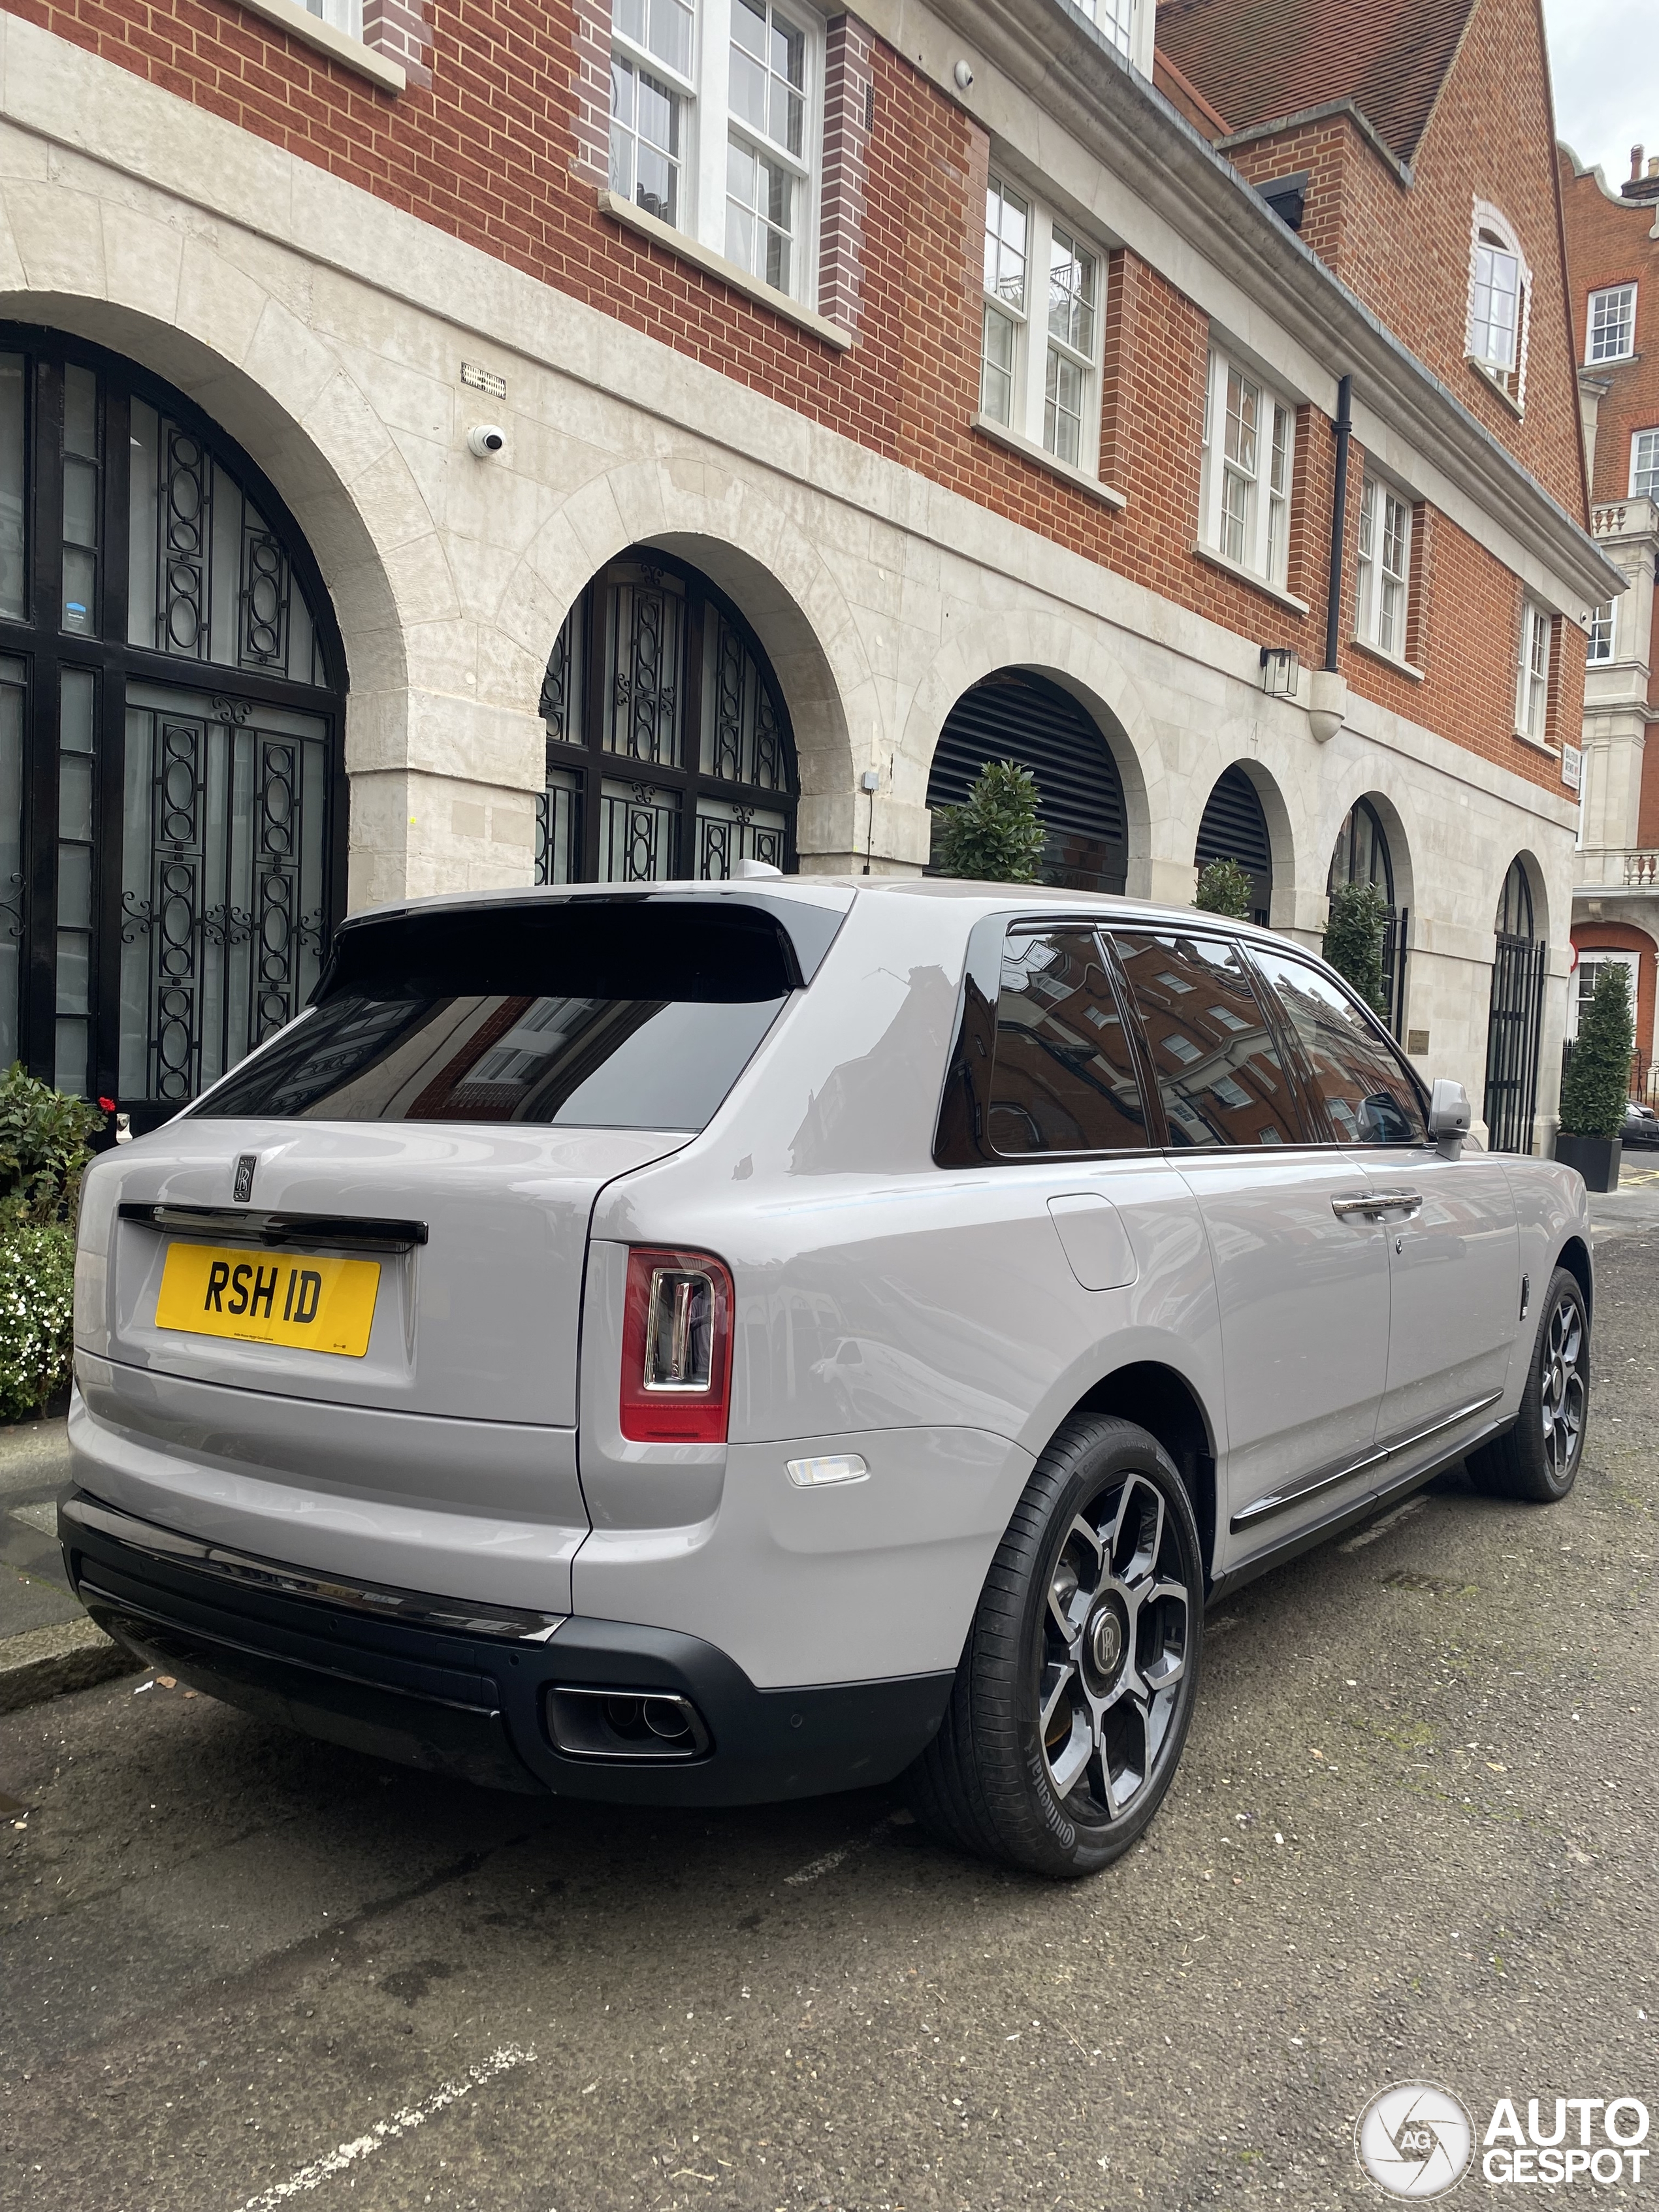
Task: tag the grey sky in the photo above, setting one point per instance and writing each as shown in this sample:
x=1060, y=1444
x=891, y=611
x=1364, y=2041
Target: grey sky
x=1604, y=57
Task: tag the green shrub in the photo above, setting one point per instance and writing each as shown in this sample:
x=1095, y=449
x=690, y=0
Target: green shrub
x=37, y=1315
x=997, y=835
x=1353, y=939
x=1596, y=1082
x=1225, y=888
x=45, y=1145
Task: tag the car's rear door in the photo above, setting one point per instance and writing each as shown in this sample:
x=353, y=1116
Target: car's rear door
x=1453, y=1243
x=1303, y=1279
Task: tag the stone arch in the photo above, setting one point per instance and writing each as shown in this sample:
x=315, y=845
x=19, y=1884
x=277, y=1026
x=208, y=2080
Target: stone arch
x=1401, y=862
x=747, y=543
x=1065, y=652
x=1537, y=886
x=1281, y=837
x=242, y=356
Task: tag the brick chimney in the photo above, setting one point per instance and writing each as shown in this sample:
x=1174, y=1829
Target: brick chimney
x=1642, y=183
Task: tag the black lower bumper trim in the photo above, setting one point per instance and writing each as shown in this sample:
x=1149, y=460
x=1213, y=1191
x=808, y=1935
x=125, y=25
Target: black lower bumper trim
x=463, y=1706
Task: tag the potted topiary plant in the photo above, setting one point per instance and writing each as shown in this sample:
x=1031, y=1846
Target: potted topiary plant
x=996, y=836
x=1595, y=1083
x=46, y=1141
x=1224, y=888
x=1353, y=939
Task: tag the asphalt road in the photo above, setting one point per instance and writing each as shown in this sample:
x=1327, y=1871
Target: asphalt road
x=1413, y=1838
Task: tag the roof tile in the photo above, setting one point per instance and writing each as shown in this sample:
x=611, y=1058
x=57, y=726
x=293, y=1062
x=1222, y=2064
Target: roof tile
x=1256, y=60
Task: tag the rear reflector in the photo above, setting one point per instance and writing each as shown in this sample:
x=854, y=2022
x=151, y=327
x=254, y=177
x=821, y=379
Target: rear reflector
x=677, y=1349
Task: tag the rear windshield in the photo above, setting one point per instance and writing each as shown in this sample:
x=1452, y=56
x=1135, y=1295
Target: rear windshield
x=590, y=1015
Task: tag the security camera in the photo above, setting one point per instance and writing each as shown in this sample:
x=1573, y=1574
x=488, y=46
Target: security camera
x=486, y=439
x=963, y=75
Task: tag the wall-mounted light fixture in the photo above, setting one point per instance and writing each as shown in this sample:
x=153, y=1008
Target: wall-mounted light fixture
x=1279, y=669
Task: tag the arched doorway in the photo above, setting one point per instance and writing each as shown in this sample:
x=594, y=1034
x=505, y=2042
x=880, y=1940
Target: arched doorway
x=172, y=689
x=1022, y=717
x=669, y=749
x=1514, y=1022
x=1362, y=856
x=1234, y=828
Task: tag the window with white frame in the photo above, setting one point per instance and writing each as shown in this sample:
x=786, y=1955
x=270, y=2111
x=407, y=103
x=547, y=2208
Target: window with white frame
x=1040, y=357
x=1645, y=465
x=1602, y=630
x=1500, y=287
x=1612, y=324
x=714, y=127
x=345, y=15
x=1116, y=18
x=1385, y=555
x=1586, y=970
x=1532, y=685
x=1249, y=445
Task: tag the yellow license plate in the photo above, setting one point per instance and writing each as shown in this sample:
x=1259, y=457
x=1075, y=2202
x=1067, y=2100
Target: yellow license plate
x=268, y=1298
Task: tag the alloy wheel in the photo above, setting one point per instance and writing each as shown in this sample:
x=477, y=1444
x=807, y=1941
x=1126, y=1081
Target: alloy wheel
x=1114, y=1637
x=1561, y=1388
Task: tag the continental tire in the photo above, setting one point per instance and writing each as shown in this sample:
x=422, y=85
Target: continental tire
x=1537, y=1460
x=1072, y=1699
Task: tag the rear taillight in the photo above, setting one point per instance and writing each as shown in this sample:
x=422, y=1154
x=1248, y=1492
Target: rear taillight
x=677, y=1349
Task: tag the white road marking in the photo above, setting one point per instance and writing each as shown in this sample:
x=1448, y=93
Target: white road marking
x=1381, y=1528
x=412, y=2115
x=831, y=1860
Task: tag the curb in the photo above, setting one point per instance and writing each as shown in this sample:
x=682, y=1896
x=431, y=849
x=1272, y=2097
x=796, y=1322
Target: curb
x=46, y=1662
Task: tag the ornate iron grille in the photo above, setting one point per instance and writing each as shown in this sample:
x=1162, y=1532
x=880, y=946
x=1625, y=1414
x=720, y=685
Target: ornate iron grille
x=167, y=892
x=683, y=690
x=222, y=919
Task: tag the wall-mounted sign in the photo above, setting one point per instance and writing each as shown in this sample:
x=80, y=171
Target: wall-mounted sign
x=1572, y=766
x=483, y=380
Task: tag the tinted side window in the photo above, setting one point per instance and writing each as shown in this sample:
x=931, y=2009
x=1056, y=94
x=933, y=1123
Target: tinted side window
x=1218, y=1070
x=1063, y=1077
x=1368, y=1094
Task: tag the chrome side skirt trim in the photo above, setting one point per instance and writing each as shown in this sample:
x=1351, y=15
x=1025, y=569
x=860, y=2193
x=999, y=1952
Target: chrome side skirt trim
x=506, y=1623
x=1281, y=1501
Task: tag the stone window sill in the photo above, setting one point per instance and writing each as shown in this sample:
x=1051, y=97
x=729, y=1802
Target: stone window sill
x=1029, y=450
x=1538, y=745
x=1400, y=667
x=339, y=45
x=1248, y=576
x=716, y=265
x=1479, y=368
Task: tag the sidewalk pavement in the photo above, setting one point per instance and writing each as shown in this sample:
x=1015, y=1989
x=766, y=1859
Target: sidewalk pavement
x=47, y=1645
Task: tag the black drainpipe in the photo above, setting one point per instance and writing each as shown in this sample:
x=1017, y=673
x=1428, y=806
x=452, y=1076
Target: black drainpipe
x=1338, y=517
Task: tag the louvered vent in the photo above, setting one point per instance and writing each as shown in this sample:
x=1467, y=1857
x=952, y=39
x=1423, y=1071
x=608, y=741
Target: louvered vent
x=1234, y=828
x=1021, y=718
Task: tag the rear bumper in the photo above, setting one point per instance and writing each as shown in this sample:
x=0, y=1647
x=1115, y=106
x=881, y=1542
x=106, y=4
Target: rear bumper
x=475, y=1706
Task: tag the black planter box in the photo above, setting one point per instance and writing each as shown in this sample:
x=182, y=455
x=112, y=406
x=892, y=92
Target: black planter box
x=1596, y=1158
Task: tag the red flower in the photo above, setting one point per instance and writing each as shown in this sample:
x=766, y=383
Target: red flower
x=109, y=1105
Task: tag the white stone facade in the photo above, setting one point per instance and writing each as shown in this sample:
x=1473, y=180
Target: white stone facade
x=326, y=332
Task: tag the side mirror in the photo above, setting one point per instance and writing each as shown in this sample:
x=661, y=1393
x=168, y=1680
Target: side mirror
x=1449, y=1116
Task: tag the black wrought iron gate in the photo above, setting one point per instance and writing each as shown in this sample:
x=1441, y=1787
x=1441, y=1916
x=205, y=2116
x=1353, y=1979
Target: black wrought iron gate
x=1512, y=1039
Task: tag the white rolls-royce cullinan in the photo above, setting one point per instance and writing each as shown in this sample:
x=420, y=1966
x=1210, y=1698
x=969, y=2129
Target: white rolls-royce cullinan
x=705, y=1343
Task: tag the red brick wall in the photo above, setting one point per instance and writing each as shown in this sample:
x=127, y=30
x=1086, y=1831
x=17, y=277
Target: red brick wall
x=1608, y=243
x=1406, y=250
x=1619, y=937
x=504, y=149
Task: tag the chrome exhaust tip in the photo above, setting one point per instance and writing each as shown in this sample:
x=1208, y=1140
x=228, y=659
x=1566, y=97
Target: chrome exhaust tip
x=657, y=1725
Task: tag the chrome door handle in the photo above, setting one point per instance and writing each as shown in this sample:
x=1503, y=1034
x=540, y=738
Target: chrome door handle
x=1408, y=1202
x=1374, y=1204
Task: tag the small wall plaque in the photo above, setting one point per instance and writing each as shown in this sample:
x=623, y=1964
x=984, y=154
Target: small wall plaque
x=483, y=380
x=1417, y=1043
x=1572, y=766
